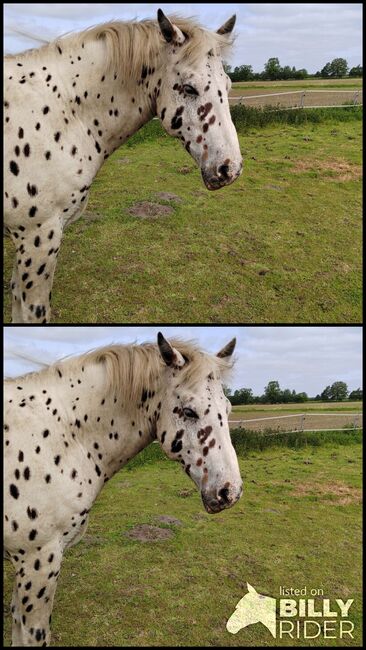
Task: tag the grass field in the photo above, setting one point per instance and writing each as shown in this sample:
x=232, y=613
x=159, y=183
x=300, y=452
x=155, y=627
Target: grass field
x=297, y=525
x=282, y=244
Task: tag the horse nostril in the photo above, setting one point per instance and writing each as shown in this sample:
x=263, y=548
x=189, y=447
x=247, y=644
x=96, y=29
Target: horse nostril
x=224, y=171
x=224, y=494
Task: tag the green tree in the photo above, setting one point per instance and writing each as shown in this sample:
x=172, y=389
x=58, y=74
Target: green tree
x=326, y=71
x=286, y=396
x=356, y=394
x=326, y=394
x=339, y=68
x=242, y=396
x=356, y=71
x=338, y=391
x=301, y=74
x=272, y=69
x=272, y=393
x=301, y=397
x=286, y=72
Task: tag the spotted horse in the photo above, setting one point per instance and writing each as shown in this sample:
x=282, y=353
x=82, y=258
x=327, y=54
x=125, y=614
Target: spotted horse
x=71, y=427
x=72, y=102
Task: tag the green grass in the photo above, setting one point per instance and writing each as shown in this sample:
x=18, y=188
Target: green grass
x=291, y=528
x=249, y=116
x=282, y=244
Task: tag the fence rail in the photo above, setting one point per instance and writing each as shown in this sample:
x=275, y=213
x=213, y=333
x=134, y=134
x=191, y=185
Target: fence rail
x=302, y=99
x=300, y=421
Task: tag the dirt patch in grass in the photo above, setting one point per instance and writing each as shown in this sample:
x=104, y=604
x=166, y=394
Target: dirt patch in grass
x=341, y=170
x=169, y=196
x=148, y=533
x=171, y=521
x=148, y=210
x=185, y=170
x=344, y=494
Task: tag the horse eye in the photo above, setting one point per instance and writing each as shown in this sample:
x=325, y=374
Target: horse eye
x=189, y=90
x=189, y=413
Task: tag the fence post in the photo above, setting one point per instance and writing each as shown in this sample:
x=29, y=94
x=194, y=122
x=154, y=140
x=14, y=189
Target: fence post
x=355, y=99
x=302, y=421
x=302, y=99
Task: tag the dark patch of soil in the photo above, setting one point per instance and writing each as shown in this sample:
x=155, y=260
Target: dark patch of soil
x=168, y=196
x=185, y=170
x=148, y=210
x=167, y=519
x=148, y=533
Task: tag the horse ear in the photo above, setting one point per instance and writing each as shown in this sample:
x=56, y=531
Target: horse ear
x=170, y=355
x=227, y=27
x=170, y=32
x=251, y=589
x=227, y=350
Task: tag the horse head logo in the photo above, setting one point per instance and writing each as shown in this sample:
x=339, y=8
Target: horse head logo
x=253, y=608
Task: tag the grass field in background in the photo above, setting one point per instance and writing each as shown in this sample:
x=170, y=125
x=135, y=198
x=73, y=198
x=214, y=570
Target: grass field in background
x=282, y=244
x=297, y=525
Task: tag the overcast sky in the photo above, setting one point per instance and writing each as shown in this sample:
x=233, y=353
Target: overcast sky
x=301, y=358
x=304, y=35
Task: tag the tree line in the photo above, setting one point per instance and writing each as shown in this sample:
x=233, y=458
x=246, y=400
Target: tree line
x=273, y=394
x=273, y=71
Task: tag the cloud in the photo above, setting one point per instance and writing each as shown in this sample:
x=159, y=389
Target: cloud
x=301, y=358
x=301, y=34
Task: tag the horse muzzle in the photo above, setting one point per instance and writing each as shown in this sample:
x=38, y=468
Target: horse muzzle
x=221, y=499
x=223, y=175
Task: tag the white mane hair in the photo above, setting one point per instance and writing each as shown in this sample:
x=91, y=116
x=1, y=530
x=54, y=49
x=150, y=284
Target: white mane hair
x=132, y=45
x=131, y=369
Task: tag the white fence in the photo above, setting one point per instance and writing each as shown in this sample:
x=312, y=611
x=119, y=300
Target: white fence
x=294, y=99
x=298, y=422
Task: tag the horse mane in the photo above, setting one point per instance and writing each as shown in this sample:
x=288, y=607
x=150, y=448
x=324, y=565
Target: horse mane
x=131, y=369
x=132, y=45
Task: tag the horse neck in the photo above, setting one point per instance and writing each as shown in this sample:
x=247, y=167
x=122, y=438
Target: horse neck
x=113, y=109
x=109, y=429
